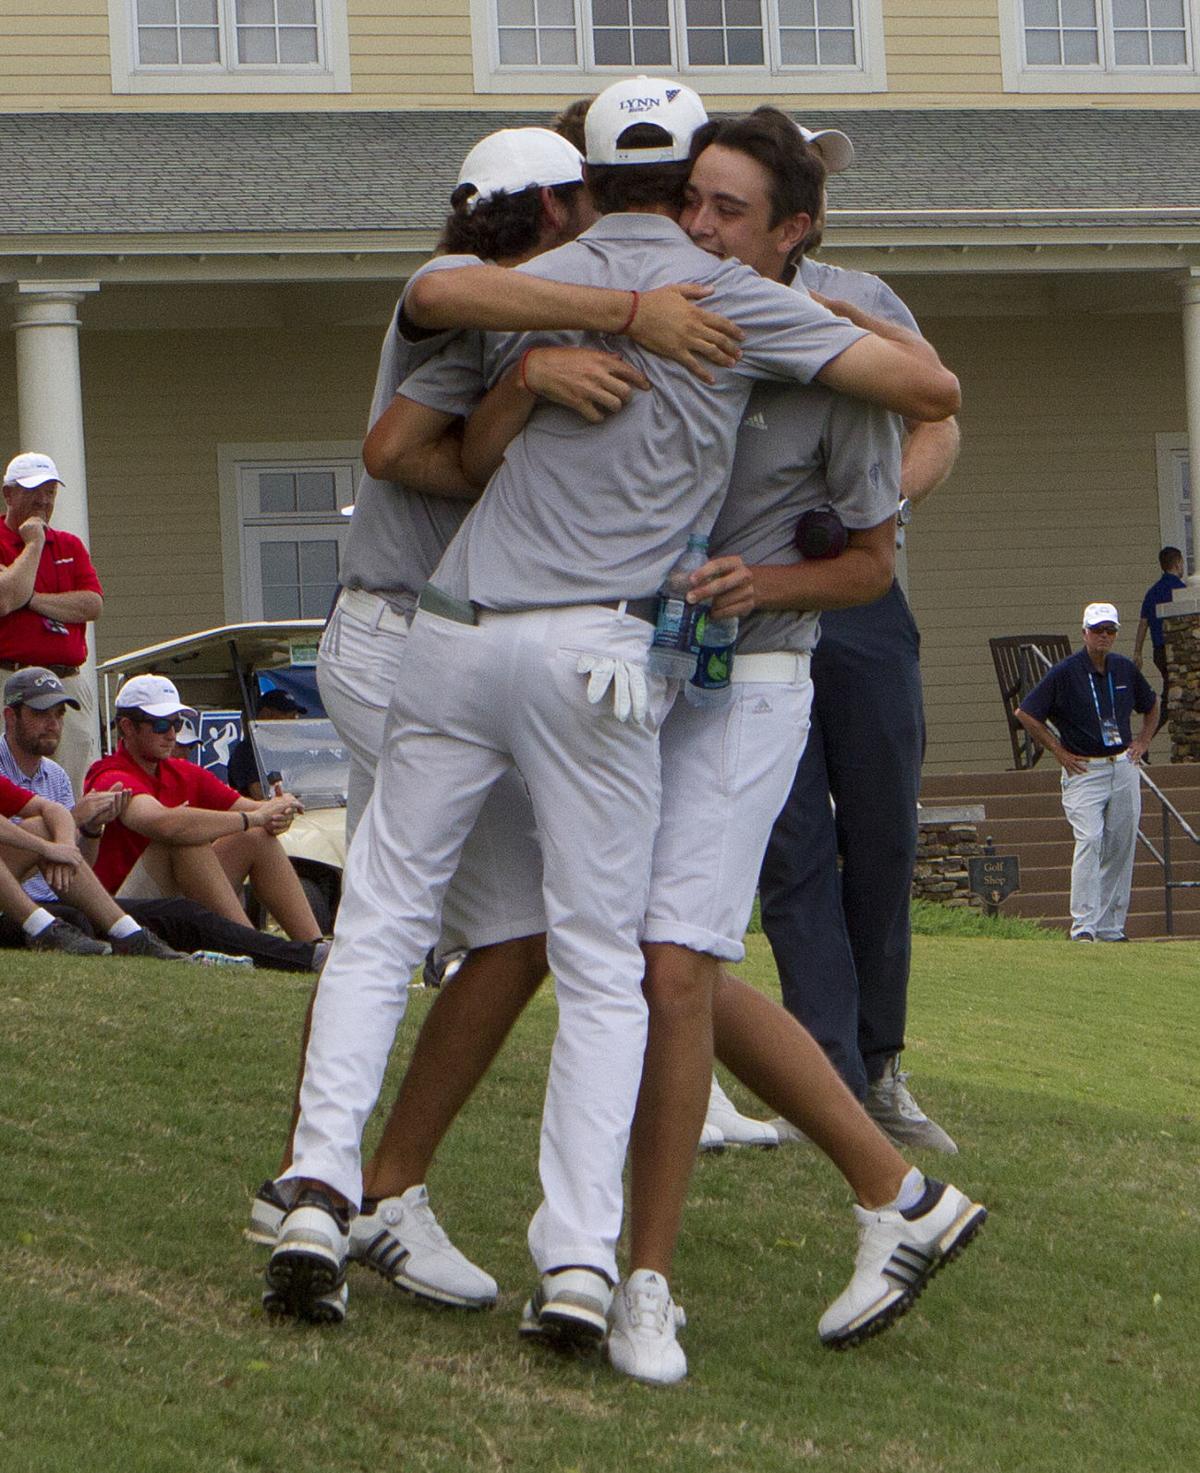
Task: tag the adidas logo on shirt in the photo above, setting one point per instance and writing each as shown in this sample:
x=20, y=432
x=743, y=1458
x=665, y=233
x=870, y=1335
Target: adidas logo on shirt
x=755, y=421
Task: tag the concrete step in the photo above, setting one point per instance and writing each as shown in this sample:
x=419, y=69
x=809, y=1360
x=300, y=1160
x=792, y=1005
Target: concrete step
x=975, y=787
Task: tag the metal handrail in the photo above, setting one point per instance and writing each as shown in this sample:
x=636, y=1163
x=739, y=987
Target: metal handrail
x=1169, y=812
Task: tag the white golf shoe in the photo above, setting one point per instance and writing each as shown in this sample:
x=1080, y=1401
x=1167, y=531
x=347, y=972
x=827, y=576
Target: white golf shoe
x=404, y=1242
x=898, y=1253
x=641, y=1336
x=307, y=1268
x=737, y=1129
x=568, y=1308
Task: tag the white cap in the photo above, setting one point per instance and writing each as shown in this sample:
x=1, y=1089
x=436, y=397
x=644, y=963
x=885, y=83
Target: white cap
x=31, y=469
x=187, y=735
x=515, y=159
x=659, y=100
x=155, y=695
x=1100, y=614
x=836, y=150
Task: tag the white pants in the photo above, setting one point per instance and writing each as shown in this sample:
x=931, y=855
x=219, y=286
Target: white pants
x=496, y=893
x=726, y=775
x=473, y=702
x=79, y=746
x=1103, y=806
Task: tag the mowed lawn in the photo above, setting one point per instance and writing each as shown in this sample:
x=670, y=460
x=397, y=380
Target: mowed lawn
x=142, y=1103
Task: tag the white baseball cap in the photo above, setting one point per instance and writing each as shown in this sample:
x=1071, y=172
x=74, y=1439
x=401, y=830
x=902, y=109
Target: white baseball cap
x=515, y=159
x=31, y=469
x=155, y=695
x=659, y=100
x=835, y=148
x=187, y=735
x=1100, y=614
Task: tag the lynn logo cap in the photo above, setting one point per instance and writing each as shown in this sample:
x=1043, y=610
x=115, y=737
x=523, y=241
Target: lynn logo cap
x=155, y=695
x=668, y=104
x=31, y=469
x=516, y=159
x=834, y=147
x=1100, y=614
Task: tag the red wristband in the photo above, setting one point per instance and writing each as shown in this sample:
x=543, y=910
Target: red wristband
x=521, y=379
x=633, y=311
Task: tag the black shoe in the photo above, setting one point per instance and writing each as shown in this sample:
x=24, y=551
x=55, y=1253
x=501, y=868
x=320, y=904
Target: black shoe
x=146, y=943
x=59, y=936
x=1083, y=936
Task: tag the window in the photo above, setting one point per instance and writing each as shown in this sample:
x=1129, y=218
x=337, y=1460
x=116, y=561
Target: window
x=282, y=528
x=229, y=45
x=1100, y=45
x=728, y=45
x=1174, y=496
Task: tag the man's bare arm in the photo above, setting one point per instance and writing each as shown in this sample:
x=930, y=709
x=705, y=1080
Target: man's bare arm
x=903, y=374
x=1072, y=762
x=17, y=579
x=665, y=321
x=81, y=606
x=928, y=457
x=419, y=448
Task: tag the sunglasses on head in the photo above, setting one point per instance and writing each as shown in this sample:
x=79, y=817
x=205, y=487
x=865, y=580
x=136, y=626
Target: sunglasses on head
x=160, y=725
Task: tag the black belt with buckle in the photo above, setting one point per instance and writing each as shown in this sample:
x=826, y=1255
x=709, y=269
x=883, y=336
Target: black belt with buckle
x=62, y=671
x=461, y=611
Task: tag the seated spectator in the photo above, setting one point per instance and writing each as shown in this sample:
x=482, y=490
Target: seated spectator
x=242, y=772
x=184, y=832
x=34, y=702
x=45, y=839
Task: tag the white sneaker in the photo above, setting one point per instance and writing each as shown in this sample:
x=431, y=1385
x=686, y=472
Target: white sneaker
x=898, y=1253
x=736, y=1128
x=711, y=1141
x=641, y=1338
x=569, y=1307
x=307, y=1268
x=789, y=1134
x=897, y=1114
x=403, y=1241
x=267, y=1212
x=325, y=1309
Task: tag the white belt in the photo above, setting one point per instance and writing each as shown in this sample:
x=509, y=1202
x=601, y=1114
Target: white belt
x=370, y=609
x=779, y=668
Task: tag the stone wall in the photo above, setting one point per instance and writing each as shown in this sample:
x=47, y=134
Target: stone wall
x=947, y=838
x=1181, y=633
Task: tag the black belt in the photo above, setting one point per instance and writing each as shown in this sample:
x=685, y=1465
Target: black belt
x=62, y=671
x=461, y=611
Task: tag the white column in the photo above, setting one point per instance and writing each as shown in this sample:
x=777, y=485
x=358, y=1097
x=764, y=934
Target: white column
x=50, y=411
x=49, y=394
x=1191, y=389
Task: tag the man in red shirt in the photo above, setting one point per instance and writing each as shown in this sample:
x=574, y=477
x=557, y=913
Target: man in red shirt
x=49, y=594
x=45, y=840
x=184, y=832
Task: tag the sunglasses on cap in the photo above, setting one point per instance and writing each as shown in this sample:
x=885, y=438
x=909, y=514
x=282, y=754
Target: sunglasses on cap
x=160, y=725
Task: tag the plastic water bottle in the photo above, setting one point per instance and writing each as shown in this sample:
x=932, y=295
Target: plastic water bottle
x=220, y=959
x=709, y=685
x=674, y=646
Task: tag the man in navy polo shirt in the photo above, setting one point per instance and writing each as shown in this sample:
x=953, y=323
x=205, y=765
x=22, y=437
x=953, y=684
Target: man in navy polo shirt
x=1091, y=697
x=1170, y=560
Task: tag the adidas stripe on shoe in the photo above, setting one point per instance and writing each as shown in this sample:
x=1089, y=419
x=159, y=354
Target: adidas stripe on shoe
x=403, y=1241
x=898, y=1254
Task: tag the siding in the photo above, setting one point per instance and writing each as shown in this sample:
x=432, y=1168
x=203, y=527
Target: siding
x=418, y=53
x=1054, y=503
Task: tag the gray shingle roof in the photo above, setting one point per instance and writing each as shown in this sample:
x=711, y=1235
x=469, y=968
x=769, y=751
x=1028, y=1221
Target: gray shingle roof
x=141, y=173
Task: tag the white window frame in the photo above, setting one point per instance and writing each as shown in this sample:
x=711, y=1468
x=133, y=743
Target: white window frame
x=1174, y=503
x=870, y=75
x=330, y=74
x=1104, y=76
x=240, y=572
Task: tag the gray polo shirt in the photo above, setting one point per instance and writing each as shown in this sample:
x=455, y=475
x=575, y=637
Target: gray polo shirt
x=584, y=514
x=397, y=535
x=798, y=449
x=858, y=287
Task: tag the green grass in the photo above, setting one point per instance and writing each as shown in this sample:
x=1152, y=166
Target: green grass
x=930, y=919
x=141, y=1104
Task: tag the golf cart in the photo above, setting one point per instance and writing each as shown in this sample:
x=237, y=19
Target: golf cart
x=222, y=673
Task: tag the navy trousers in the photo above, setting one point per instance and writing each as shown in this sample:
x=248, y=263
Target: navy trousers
x=842, y=939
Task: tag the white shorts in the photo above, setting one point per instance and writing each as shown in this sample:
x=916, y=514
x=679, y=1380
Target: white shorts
x=141, y=883
x=725, y=774
x=496, y=893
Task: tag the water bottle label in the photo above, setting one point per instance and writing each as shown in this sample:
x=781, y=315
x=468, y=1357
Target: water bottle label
x=676, y=626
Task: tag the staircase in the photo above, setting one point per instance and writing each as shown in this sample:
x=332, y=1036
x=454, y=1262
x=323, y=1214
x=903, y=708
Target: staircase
x=1024, y=817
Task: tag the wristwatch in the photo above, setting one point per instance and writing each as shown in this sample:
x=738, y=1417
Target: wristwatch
x=904, y=512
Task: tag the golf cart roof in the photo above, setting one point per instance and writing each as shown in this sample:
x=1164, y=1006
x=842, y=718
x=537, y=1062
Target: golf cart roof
x=213, y=651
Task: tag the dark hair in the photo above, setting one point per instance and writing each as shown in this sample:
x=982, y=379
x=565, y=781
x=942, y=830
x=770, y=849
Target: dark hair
x=1168, y=556
x=771, y=139
x=569, y=123
x=616, y=187
x=503, y=225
